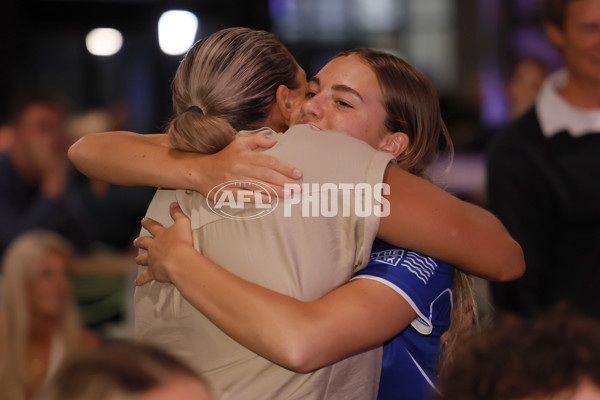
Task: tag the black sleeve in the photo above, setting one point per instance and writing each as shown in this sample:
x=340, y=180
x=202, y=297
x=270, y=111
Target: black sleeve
x=520, y=195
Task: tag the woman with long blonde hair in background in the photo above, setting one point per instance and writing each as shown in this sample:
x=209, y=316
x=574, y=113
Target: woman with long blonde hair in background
x=39, y=325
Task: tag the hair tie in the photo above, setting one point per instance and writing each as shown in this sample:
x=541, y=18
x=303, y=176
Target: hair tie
x=195, y=109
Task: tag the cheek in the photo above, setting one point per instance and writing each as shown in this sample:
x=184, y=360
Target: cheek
x=295, y=115
x=49, y=294
x=366, y=129
x=581, y=41
x=37, y=293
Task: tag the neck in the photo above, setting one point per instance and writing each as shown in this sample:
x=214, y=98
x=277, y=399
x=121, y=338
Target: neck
x=276, y=121
x=581, y=94
x=19, y=159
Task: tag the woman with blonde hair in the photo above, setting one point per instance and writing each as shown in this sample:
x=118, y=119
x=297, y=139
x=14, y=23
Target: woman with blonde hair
x=39, y=326
x=402, y=298
x=427, y=219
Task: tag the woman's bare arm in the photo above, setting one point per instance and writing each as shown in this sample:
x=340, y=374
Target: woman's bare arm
x=129, y=159
x=298, y=335
x=429, y=220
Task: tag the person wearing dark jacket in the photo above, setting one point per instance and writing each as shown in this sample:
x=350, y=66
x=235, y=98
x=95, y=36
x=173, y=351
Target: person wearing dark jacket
x=544, y=174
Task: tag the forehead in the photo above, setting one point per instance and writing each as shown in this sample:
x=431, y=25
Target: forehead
x=301, y=75
x=41, y=110
x=582, y=11
x=353, y=72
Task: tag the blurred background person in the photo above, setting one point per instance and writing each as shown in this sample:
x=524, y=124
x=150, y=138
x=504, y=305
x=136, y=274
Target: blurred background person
x=523, y=85
x=6, y=137
x=544, y=173
x=126, y=370
x=34, y=174
x=40, y=190
x=39, y=326
x=554, y=357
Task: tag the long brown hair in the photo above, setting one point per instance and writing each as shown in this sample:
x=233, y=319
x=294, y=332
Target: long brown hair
x=225, y=83
x=412, y=106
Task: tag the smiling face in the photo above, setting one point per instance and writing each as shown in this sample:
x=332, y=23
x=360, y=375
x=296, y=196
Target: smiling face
x=579, y=39
x=345, y=96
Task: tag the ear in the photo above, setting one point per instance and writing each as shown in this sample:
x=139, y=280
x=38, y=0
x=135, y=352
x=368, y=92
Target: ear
x=555, y=34
x=283, y=98
x=395, y=144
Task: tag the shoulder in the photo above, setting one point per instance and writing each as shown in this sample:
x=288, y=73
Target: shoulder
x=382, y=252
x=522, y=130
x=314, y=137
x=265, y=131
x=406, y=267
x=520, y=141
x=421, y=280
x=330, y=156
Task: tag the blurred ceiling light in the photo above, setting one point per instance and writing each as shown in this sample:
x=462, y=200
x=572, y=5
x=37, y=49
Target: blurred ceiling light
x=379, y=15
x=104, y=41
x=177, y=31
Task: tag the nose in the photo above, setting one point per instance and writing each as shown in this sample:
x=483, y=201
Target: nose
x=313, y=108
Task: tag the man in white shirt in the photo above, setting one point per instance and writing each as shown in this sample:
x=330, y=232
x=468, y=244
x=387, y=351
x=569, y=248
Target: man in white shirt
x=544, y=173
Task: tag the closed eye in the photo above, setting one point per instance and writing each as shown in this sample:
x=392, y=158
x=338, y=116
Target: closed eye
x=343, y=104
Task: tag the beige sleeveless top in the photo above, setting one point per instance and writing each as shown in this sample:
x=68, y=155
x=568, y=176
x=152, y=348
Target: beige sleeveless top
x=300, y=256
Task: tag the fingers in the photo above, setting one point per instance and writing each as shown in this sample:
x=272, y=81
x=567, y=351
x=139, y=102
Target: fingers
x=177, y=213
x=143, y=242
x=264, y=160
x=152, y=226
x=257, y=140
x=273, y=163
x=142, y=259
x=276, y=181
x=143, y=278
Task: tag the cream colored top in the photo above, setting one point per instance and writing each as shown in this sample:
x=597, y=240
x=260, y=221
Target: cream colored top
x=303, y=257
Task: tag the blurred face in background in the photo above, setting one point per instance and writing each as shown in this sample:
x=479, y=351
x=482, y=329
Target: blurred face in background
x=181, y=388
x=40, y=131
x=50, y=288
x=524, y=84
x=579, y=40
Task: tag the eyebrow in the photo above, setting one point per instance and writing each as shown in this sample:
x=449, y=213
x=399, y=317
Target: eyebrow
x=339, y=88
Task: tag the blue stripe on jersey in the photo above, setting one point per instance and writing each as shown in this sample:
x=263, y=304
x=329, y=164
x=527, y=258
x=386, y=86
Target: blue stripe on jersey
x=410, y=358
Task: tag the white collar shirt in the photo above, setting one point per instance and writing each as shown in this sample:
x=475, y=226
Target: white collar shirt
x=555, y=114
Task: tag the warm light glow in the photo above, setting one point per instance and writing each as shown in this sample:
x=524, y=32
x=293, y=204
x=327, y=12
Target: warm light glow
x=177, y=31
x=104, y=41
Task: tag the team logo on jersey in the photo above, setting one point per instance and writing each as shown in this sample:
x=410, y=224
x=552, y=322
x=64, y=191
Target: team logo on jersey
x=421, y=266
x=389, y=257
